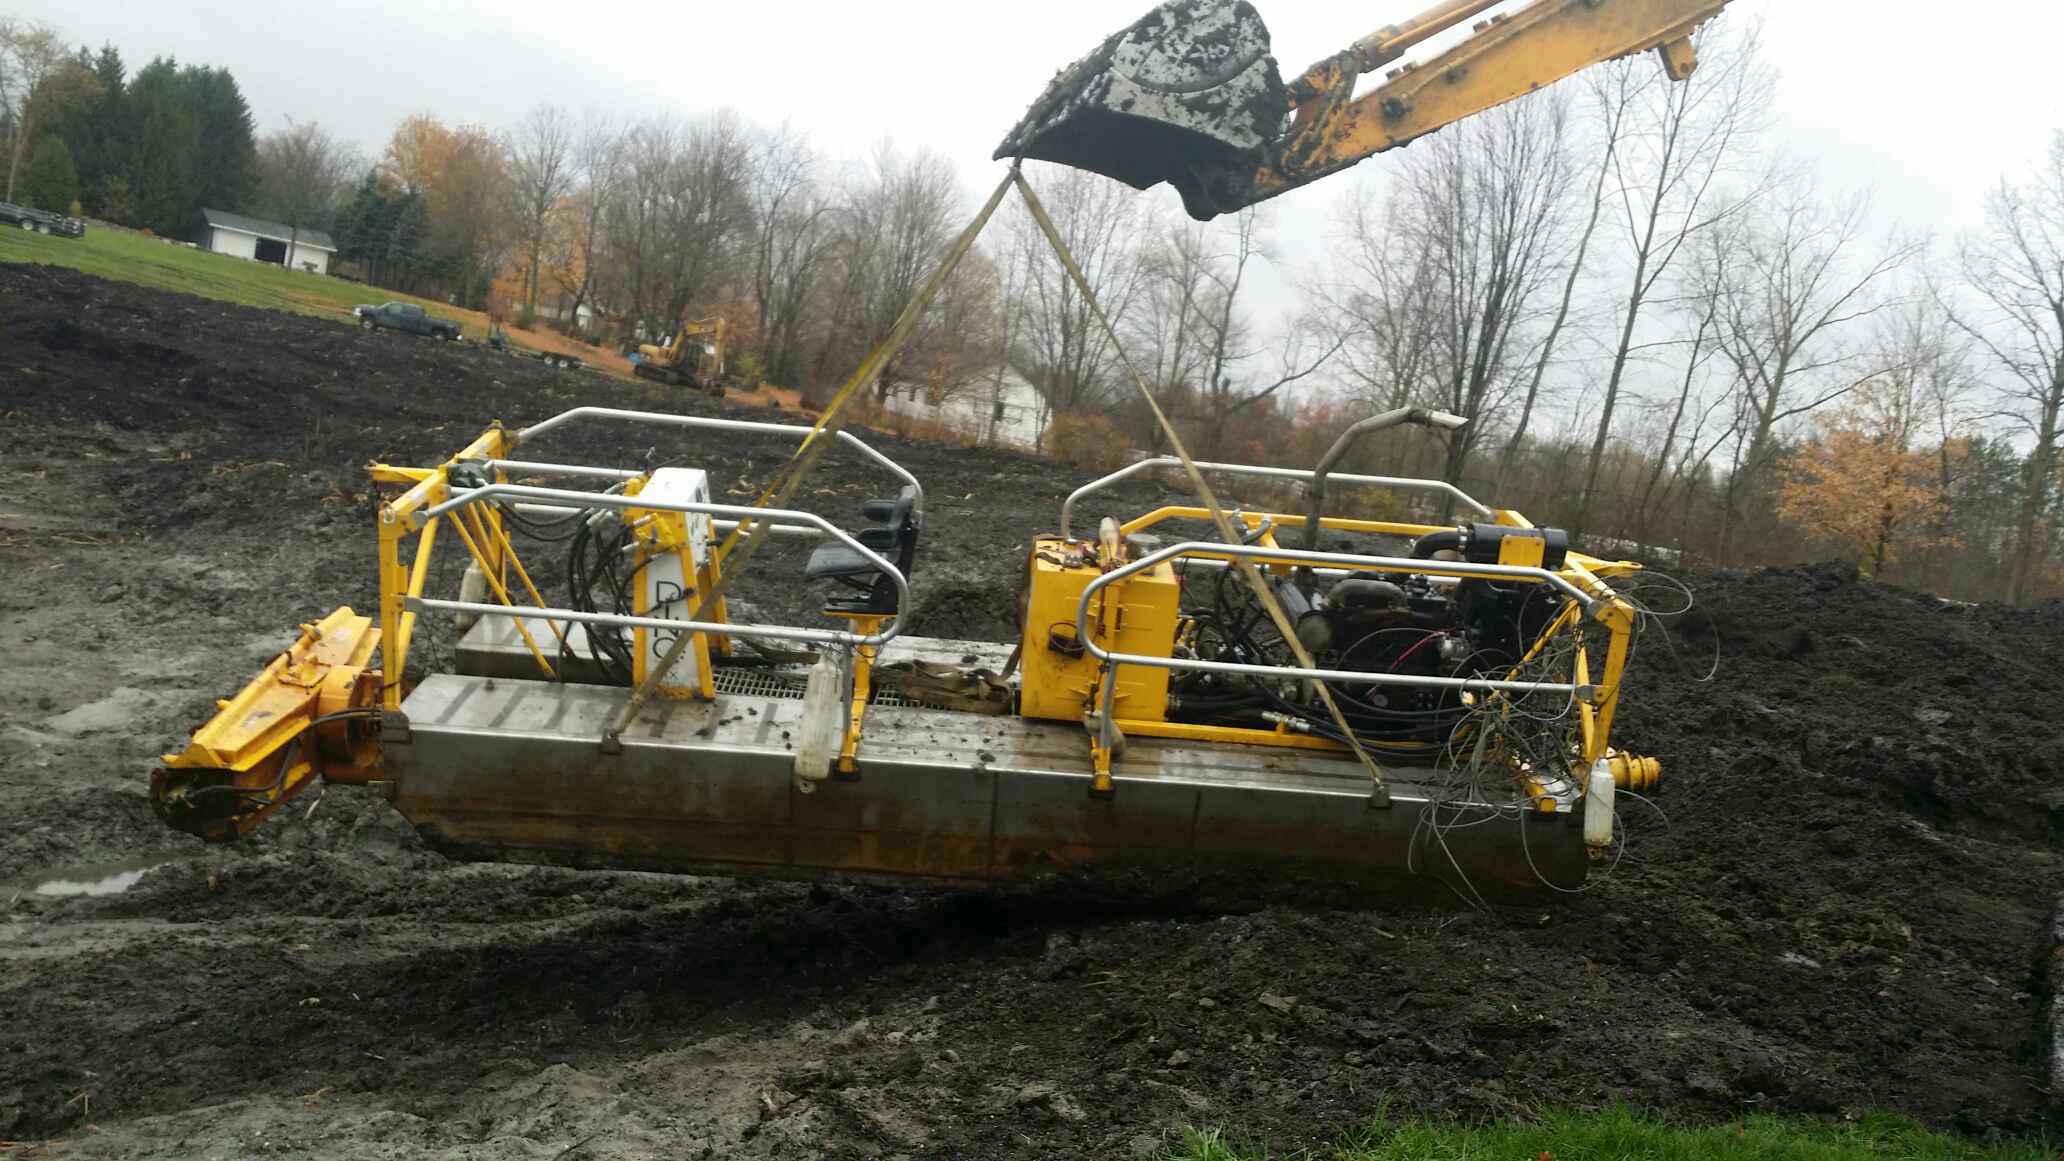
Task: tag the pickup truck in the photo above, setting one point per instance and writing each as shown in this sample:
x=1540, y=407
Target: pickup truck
x=407, y=317
x=41, y=221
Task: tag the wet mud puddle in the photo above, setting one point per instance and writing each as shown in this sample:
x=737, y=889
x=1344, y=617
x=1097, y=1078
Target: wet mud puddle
x=88, y=880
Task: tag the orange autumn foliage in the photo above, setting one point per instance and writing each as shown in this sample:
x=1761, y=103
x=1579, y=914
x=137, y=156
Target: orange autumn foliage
x=1864, y=491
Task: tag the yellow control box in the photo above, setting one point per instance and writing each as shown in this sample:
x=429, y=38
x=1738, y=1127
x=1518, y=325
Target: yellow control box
x=1136, y=615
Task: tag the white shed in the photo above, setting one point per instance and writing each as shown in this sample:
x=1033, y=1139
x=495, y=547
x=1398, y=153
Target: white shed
x=263, y=241
x=996, y=407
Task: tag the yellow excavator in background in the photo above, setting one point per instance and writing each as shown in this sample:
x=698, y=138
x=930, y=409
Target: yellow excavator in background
x=1146, y=711
x=694, y=357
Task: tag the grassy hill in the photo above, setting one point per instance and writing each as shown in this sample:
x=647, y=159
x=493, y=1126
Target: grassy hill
x=151, y=261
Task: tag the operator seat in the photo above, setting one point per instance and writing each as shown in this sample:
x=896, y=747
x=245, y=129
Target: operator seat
x=893, y=534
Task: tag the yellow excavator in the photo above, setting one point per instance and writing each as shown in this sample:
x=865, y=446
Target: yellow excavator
x=1146, y=711
x=693, y=357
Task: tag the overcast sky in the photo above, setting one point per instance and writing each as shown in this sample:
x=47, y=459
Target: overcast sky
x=1929, y=111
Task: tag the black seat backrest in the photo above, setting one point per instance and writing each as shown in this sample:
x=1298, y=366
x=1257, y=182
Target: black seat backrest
x=898, y=525
x=905, y=523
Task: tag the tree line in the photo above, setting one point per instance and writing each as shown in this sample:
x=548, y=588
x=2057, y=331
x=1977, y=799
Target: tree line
x=1672, y=337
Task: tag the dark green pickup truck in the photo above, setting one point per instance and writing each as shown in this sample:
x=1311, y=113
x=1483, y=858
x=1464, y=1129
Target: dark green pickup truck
x=406, y=316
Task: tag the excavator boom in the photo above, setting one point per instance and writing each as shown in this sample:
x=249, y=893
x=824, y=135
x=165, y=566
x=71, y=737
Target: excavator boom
x=1190, y=94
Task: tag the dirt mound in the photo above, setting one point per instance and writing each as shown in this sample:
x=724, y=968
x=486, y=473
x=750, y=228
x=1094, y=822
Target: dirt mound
x=1839, y=900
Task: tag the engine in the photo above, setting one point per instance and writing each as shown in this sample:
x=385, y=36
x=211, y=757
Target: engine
x=1406, y=624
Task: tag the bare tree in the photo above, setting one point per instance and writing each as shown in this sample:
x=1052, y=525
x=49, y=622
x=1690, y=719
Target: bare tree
x=896, y=220
x=2014, y=272
x=541, y=164
x=793, y=221
x=1161, y=323
x=1684, y=140
x=302, y=173
x=598, y=164
x=1225, y=336
x=1704, y=312
x=1473, y=229
x=1790, y=280
x=637, y=216
x=1102, y=223
x=1382, y=303
x=681, y=218
x=1613, y=106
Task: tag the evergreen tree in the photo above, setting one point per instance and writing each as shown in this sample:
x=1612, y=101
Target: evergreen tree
x=227, y=166
x=163, y=183
x=49, y=182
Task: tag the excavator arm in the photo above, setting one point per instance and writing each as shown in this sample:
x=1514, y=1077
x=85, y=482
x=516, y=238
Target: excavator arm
x=1190, y=95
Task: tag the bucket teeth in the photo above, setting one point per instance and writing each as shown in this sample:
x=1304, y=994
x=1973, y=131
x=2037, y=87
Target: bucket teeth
x=1189, y=95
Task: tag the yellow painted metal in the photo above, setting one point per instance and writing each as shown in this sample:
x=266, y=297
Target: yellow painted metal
x=390, y=474
x=865, y=625
x=1136, y=615
x=1507, y=58
x=1587, y=714
x=1230, y=735
x=1618, y=618
x=419, y=578
x=1523, y=551
x=1634, y=773
x=501, y=592
x=1283, y=520
x=515, y=562
x=433, y=488
x=247, y=743
x=393, y=590
x=1680, y=58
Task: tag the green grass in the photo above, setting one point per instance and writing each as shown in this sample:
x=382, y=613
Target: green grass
x=154, y=262
x=1625, y=1136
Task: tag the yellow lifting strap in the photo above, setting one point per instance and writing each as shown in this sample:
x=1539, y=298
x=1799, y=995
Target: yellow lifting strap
x=738, y=547
x=1226, y=532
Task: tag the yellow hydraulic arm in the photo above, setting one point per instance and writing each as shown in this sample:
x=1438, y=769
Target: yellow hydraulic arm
x=1508, y=57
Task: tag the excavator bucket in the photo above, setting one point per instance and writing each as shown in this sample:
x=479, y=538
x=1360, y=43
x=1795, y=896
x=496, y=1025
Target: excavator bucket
x=1189, y=95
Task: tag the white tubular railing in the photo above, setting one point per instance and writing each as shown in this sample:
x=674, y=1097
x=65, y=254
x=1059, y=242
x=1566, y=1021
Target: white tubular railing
x=766, y=517
x=1398, y=482
x=662, y=419
x=1334, y=559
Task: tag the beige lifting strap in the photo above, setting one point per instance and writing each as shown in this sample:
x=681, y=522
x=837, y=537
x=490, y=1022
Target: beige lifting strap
x=1380, y=795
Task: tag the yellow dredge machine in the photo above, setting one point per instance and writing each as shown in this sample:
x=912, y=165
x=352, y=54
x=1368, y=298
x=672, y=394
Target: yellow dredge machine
x=1454, y=719
x=1149, y=718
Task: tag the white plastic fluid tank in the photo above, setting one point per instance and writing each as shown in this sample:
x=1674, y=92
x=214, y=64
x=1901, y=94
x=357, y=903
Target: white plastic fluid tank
x=1598, y=807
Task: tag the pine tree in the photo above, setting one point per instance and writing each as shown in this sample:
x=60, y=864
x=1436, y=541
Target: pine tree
x=227, y=165
x=49, y=182
x=163, y=186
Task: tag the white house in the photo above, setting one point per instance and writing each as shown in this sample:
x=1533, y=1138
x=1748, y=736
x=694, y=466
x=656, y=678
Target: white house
x=263, y=241
x=997, y=407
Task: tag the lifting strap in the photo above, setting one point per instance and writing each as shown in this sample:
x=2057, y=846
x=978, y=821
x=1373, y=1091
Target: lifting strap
x=1380, y=795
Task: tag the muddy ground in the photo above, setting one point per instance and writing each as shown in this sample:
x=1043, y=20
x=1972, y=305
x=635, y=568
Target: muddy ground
x=1839, y=904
